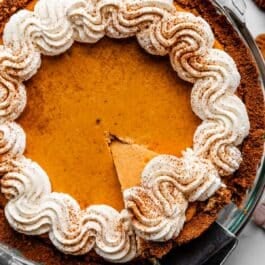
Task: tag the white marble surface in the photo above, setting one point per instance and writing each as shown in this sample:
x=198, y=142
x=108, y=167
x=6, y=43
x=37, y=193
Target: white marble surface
x=251, y=247
x=255, y=18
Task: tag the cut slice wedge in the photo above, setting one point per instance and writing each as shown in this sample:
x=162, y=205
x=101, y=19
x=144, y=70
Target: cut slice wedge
x=129, y=160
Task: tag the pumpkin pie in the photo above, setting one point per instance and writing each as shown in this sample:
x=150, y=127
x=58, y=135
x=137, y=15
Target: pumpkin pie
x=131, y=149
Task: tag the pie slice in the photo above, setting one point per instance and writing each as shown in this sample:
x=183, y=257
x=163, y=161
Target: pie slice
x=129, y=160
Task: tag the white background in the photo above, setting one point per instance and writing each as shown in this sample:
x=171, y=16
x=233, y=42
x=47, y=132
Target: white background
x=251, y=248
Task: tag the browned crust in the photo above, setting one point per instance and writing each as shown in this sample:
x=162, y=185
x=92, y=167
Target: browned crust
x=250, y=92
x=7, y=8
x=260, y=3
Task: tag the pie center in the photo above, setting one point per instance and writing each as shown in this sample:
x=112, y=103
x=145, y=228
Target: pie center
x=114, y=87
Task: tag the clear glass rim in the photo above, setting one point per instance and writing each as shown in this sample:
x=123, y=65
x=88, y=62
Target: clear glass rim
x=238, y=218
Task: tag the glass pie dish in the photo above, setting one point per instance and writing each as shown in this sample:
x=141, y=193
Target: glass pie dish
x=232, y=217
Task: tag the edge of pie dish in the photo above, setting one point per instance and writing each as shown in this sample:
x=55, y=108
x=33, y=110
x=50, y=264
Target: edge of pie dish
x=154, y=211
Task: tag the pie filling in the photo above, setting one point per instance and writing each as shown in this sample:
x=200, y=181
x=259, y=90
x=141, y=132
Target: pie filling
x=118, y=88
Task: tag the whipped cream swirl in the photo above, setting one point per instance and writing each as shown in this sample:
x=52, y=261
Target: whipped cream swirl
x=168, y=183
x=12, y=144
x=156, y=209
x=157, y=213
x=193, y=176
x=12, y=98
x=225, y=120
x=34, y=210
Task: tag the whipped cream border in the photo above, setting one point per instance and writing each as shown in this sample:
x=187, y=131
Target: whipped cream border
x=156, y=210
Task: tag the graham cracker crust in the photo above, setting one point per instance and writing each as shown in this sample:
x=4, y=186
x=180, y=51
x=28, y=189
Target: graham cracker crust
x=203, y=214
x=7, y=8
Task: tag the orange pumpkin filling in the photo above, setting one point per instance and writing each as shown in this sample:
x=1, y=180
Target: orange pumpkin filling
x=114, y=87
